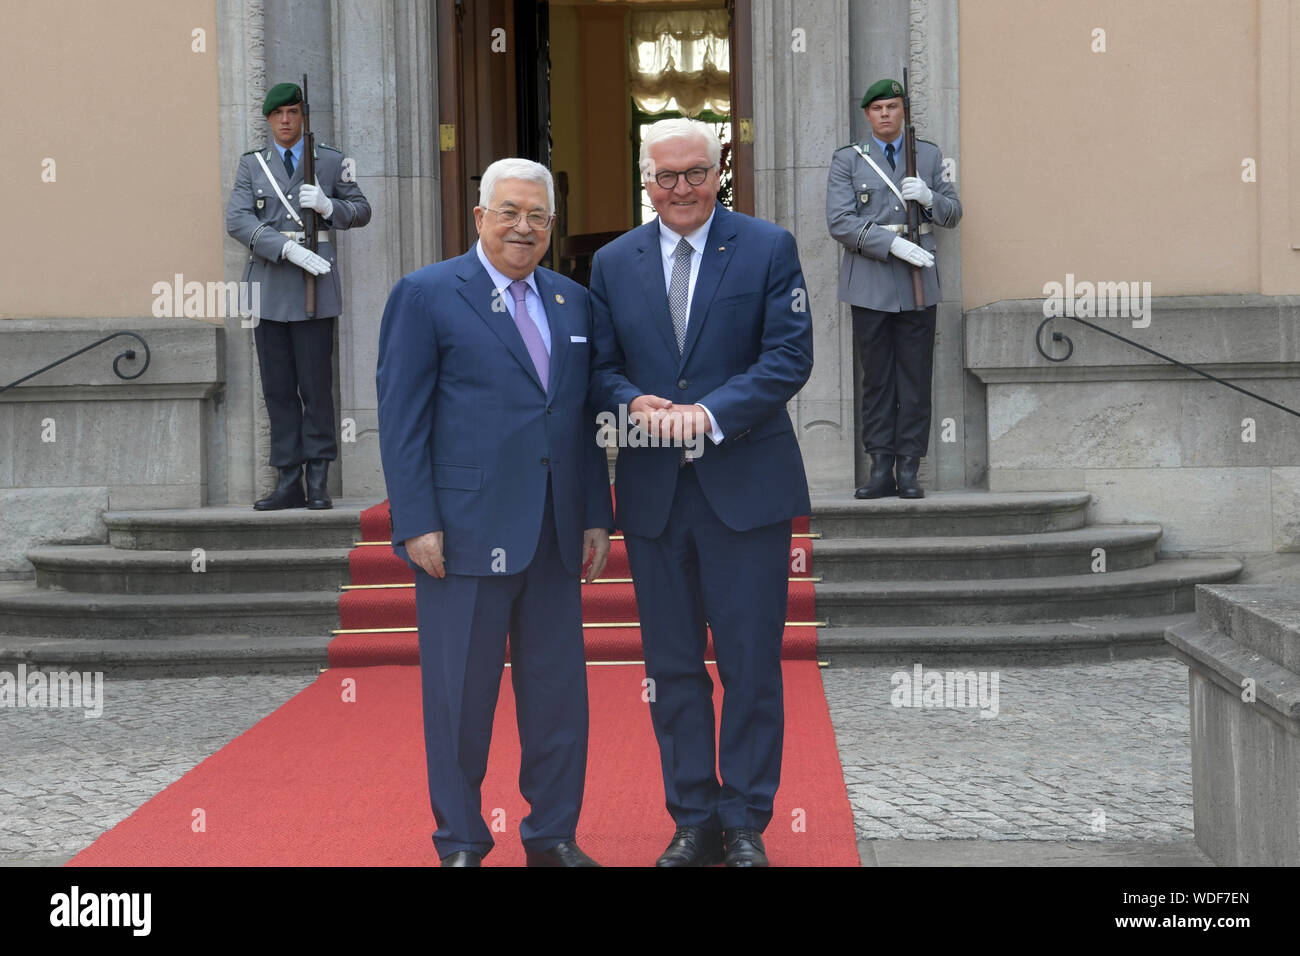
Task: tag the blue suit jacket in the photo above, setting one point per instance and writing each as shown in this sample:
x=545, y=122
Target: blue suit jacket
x=748, y=351
x=467, y=434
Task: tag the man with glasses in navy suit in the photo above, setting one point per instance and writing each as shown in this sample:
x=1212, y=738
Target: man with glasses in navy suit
x=702, y=332
x=499, y=497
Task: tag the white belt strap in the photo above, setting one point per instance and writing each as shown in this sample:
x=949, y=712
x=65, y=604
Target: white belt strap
x=862, y=152
x=293, y=212
x=900, y=228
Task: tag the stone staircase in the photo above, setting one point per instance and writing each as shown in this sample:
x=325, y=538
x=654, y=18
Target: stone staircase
x=265, y=601
x=970, y=575
x=956, y=574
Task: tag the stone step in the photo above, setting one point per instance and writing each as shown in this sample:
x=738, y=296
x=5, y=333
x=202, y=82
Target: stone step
x=1093, y=639
x=193, y=655
x=950, y=513
x=98, y=569
x=25, y=609
x=982, y=557
x=1159, y=589
x=230, y=528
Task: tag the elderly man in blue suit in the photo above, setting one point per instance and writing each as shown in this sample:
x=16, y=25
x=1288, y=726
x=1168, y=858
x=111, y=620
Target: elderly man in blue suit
x=499, y=497
x=701, y=328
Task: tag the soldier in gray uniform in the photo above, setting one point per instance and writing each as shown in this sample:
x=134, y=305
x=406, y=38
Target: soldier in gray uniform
x=866, y=213
x=294, y=352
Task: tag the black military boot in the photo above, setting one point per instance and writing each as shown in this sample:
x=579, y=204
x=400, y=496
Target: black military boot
x=287, y=494
x=908, y=487
x=318, y=499
x=881, y=482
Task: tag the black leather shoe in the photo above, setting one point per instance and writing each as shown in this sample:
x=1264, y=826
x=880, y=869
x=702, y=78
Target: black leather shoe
x=693, y=846
x=744, y=847
x=318, y=499
x=562, y=854
x=287, y=494
x=908, y=487
x=462, y=858
x=881, y=482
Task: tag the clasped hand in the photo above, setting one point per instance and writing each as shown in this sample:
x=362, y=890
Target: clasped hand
x=660, y=417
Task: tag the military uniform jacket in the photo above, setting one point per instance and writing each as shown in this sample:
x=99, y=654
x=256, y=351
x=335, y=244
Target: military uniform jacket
x=256, y=217
x=857, y=199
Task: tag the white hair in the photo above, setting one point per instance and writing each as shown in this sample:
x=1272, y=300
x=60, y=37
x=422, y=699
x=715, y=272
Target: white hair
x=677, y=129
x=515, y=168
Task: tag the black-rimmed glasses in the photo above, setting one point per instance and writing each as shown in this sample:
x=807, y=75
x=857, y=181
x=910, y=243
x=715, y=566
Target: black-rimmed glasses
x=695, y=176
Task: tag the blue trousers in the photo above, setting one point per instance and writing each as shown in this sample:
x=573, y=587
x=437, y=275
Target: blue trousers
x=700, y=573
x=463, y=622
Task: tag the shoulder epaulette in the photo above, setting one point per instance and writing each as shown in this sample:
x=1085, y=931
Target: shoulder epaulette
x=252, y=151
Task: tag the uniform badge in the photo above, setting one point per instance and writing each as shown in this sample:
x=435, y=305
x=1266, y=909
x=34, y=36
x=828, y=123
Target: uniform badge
x=261, y=204
x=559, y=298
x=864, y=198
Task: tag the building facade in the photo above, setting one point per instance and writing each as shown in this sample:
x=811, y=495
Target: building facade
x=1155, y=146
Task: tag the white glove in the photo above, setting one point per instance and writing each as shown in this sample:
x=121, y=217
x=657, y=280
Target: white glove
x=305, y=259
x=914, y=187
x=313, y=197
x=909, y=251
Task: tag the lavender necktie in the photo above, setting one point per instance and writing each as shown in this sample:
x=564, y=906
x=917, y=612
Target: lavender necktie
x=531, y=334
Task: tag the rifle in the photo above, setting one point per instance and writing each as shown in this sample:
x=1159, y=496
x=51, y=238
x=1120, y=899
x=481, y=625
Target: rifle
x=309, y=176
x=913, y=207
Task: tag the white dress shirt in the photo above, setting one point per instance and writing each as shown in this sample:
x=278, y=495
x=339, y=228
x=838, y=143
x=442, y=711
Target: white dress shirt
x=668, y=242
x=532, y=298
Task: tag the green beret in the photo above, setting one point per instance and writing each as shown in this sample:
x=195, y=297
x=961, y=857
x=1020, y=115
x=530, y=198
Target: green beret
x=882, y=90
x=282, y=94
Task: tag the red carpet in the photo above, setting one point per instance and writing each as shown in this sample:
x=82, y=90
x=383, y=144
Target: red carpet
x=322, y=782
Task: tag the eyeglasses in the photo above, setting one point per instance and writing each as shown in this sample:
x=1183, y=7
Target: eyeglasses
x=695, y=176
x=536, y=221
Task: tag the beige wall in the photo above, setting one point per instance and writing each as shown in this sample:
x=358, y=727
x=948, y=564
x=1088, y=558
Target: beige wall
x=1127, y=164
x=114, y=95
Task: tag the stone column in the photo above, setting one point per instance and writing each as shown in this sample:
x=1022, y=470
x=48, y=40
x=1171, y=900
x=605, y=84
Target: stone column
x=240, y=429
x=800, y=118
x=932, y=46
x=386, y=101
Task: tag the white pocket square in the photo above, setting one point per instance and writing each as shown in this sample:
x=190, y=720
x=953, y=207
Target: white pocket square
x=577, y=338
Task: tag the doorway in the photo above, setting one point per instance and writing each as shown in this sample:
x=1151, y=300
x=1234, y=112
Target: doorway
x=571, y=84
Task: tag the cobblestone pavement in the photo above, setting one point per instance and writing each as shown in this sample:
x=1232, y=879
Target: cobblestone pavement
x=65, y=778
x=1098, y=752
x=1069, y=744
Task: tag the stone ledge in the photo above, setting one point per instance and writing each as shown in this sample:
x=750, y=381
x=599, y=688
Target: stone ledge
x=182, y=351
x=1265, y=334
x=1228, y=663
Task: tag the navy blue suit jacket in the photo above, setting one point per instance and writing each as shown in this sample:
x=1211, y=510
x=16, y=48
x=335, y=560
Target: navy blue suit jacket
x=748, y=351
x=467, y=434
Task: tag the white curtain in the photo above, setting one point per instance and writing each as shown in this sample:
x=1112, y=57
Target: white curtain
x=681, y=60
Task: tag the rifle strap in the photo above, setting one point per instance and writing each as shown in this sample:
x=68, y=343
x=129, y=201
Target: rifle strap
x=871, y=162
x=280, y=194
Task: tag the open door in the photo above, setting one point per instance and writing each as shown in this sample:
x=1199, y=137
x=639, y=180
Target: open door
x=496, y=89
x=493, y=99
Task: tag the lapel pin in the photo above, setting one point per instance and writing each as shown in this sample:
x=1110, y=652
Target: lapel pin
x=722, y=248
x=559, y=298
